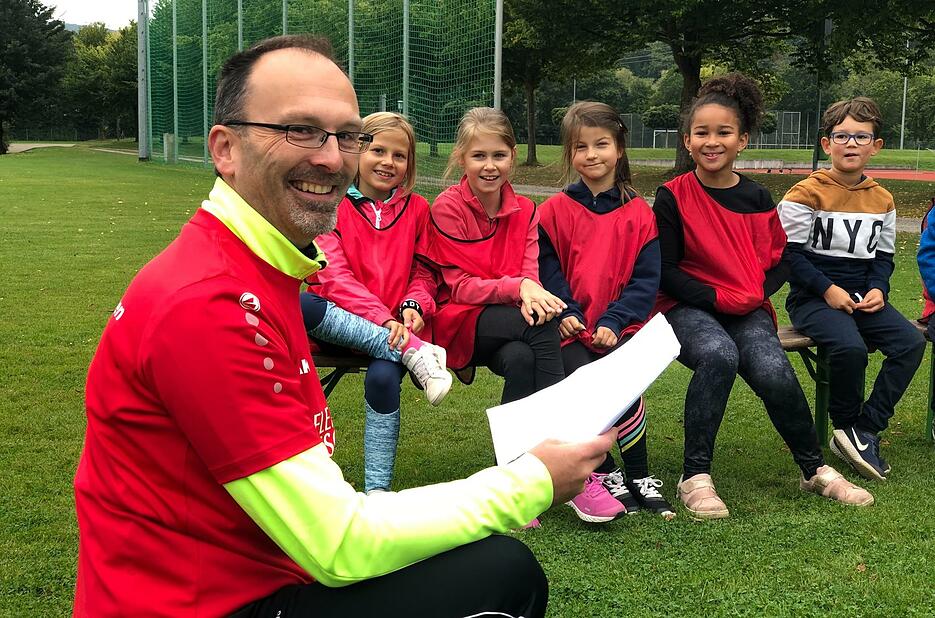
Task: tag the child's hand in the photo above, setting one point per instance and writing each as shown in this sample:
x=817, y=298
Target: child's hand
x=570, y=326
x=604, y=338
x=837, y=298
x=539, y=301
x=413, y=321
x=399, y=336
x=872, y=302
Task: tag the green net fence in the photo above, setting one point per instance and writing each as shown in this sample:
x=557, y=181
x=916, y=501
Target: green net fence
x=430, y=60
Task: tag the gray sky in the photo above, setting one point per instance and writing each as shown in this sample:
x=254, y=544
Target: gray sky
x=115, y=13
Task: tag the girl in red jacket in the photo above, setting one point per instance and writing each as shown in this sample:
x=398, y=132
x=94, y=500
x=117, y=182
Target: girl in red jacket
x=599, y=253
x=372, y=273
x=484, y=238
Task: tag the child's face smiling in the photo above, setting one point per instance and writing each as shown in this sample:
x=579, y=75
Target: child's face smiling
x=594, y=157
x=714, y=140
x=487, y=161
x=383, y=167
x=849, y=160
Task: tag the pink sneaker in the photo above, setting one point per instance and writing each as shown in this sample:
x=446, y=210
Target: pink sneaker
x=595, y=504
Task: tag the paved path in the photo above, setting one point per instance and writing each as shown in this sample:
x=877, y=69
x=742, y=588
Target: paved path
x=16, y=148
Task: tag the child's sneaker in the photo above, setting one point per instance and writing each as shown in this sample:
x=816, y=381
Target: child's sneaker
x=861, y=449
x=646, y=492
x=829, y=483
x=428, y=372
x=700, y=498
x=618, y=489
x=595, y=504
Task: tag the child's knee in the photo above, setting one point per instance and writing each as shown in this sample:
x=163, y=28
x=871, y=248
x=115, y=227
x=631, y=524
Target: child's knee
x=518, y=359
x=382, y=386
x=852, y=351
x=720, y=359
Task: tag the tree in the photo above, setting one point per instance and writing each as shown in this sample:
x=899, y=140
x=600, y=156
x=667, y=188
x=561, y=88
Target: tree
x=33, y=46
x=100, y=81
x=661, y=117
x=745, y=33
x=535, y=48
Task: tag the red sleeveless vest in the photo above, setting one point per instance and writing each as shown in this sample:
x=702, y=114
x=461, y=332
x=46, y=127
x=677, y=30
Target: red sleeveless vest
x=726, y=250
x=597, y=252
x=382, y=259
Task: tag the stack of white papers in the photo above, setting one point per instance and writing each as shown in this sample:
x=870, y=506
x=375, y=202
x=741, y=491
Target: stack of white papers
x=589, y=401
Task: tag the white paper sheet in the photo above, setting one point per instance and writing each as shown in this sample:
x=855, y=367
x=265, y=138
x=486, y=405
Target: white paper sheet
x=587, y=402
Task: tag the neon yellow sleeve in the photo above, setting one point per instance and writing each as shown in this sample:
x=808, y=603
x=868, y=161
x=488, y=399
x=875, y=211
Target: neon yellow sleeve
x=340, y=536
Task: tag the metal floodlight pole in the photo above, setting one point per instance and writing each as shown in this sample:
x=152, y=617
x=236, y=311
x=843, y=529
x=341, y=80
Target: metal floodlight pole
x=142, y=78
x=902, y=126
x=825, y=29
x=175, y=83
x=285, y=16
x=498, y=54
x=206, y=126
x=350, y=40
x=239, y=25
x=405, y=109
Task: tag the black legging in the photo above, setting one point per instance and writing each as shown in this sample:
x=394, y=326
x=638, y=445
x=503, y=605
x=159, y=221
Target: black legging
x=717, y=348
x=498, y=575
x=528, y=358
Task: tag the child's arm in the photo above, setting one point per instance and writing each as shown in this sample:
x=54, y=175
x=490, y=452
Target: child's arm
x=638, y=296
x=553, y=279
x=339, y=285
x=423, y=286
x=571, y=320
x=926, y=255
x=673, y=280
x=881, y=269
x=797, y=218
x=423, y=279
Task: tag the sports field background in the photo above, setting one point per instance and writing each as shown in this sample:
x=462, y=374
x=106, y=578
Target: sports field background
x=78, y=224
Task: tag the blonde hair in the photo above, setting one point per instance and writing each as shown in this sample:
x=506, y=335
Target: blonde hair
x=379, y=122
x=602, y=116
x=475, y=122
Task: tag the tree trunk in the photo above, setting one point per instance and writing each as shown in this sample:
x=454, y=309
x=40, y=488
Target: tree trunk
x=690, y=69
x=531, y=122
x=3, y=144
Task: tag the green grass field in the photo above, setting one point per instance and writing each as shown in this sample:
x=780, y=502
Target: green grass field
x=78, y=224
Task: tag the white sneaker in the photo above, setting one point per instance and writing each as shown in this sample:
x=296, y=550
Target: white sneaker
x=428, y=371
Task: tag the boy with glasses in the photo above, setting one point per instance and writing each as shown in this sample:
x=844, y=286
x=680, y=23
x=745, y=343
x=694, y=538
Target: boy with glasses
x=841, y=229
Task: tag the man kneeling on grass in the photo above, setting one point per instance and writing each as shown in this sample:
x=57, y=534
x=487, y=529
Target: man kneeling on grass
x=206, y=485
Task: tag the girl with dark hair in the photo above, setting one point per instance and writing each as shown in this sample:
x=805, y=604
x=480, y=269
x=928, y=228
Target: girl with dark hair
x=609, y=293
x=722, y=258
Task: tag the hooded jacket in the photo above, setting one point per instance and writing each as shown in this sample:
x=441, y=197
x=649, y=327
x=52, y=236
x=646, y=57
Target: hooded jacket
x=838, y=234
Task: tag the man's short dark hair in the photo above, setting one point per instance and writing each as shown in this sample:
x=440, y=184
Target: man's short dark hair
x=232, y=80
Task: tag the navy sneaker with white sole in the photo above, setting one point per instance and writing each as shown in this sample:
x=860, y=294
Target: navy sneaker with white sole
x=861, y=449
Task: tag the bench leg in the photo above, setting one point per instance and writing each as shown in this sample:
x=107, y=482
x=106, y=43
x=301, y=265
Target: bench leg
x=331, y=380
x=822, y=396
x=929, y=429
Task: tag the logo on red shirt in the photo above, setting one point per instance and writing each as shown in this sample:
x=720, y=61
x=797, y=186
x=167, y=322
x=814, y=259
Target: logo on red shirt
x=250, y=302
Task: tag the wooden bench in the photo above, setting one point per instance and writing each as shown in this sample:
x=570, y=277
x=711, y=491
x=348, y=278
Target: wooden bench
x=815, y=359
x=816, y=363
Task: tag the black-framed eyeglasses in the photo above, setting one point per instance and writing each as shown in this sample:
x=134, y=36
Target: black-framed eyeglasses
x=308, y=136
x=842, y=137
